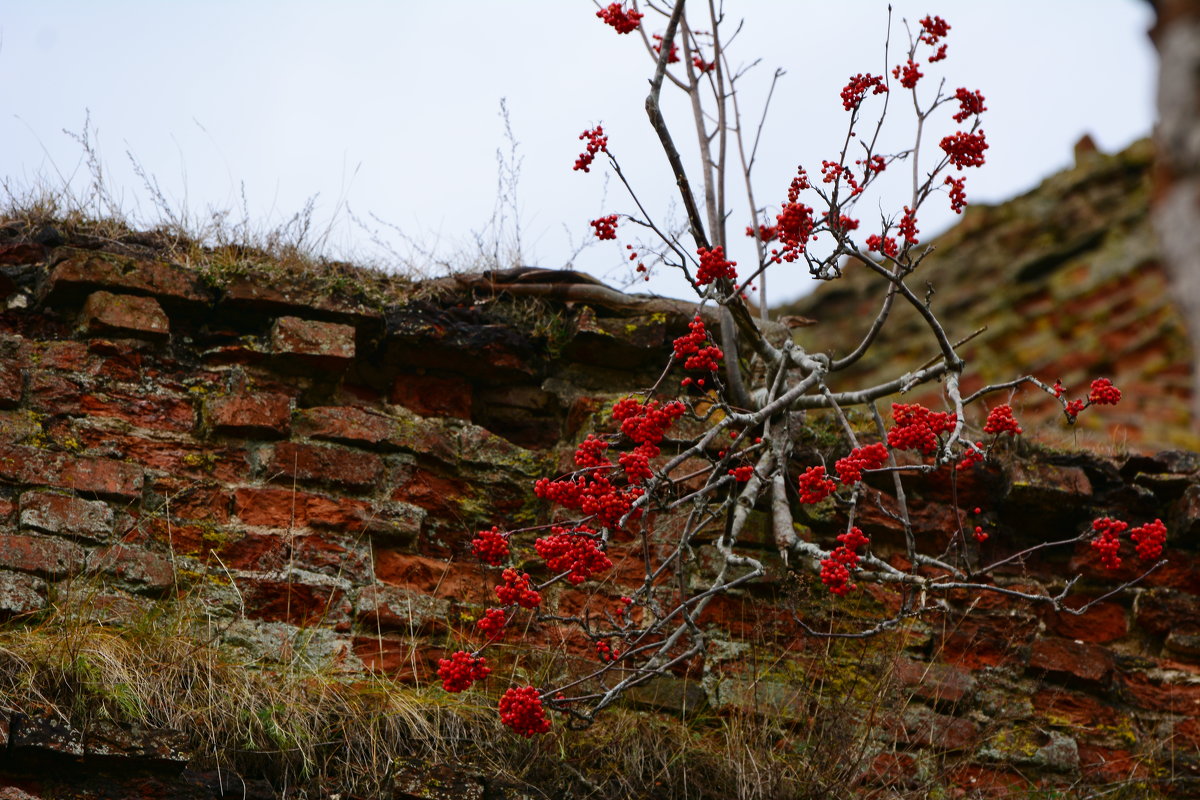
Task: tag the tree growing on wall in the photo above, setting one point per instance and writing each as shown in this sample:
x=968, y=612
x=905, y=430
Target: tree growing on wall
x=714, y=440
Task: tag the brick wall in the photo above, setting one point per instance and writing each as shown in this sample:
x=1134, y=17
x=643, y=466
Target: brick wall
x=308, y=468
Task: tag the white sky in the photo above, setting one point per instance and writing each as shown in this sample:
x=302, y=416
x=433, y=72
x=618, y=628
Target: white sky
x=392, y=107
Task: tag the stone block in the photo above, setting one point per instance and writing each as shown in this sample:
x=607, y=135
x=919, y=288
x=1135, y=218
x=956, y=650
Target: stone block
x=109, y=314
x=1065, y=657
x=20, y=593
x=66, y=515
x=82, y=271
x=44, y=555
x=303, y=604
x=133, y=565
x=393, y=608
x=347, y=425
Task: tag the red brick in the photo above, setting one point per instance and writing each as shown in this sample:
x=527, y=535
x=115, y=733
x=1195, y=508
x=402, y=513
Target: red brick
x=21, y=594
x=255, y=552
x=431, y=396
x=22, y=253
x=295, y=603
x=1082, y=660
x=333, y=465
x=286, y=508
x=85, y=271
x=433, y=492
x=99, y=476
x=69, y=356
x=44, y=555
x=1154, y=694
x=1102, y=623
x=135, y=565
x=12, y=384
x=1081, y=710
x=184, y=500
x=264, y=416
x=199, y=461
x=53, y=393
x=345, y=424
x=153, y=410
x=18, y=426
x=400, y=658
x=66, y=515
x=1108, y=765
x=918, y=725
x=325, y=344
x=938, y=683
x=460, y=582
x=111, y=314
x=324, y=555
x=392, y=608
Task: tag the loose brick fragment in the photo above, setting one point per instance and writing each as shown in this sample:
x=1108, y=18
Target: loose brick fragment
x=111, y=314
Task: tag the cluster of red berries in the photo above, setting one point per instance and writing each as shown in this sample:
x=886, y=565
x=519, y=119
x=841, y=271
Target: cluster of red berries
x=590, y=452
x=794, y=227
x=1107, y=542
x=594, y=495
x=605, y=228
x=490, y=546
x=714, y=266
x=835, y=570
x=672, y=54
x=702, y=65
x=917, y=428
x=908, y=74
x=875, y=165
x=461, y=670
x=850, y=468
x=1103, y=393
x=883, y=244
x=647, y=423
x=1000, y=420
x=968, y=103
x=814, y=486
x=694, y=348
x=766, y=233
x=831, y=171
x=908, y=226
x=856, y=89
x=521, y=709
x=597, y=142
x=517, y=589
x=958, y=196
x=621, y=20
x=636, y=463
x=1149, y=539
x=574, y=551
x=492, y=623
x=972, y=456
x=965, y=149
x=743, y=473
x=933, y=29
x=606, y=651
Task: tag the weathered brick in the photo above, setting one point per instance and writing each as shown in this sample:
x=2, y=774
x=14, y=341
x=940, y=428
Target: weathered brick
x=53, y=393
x=83, y=271
x=394, y=608
x=324, y=344
x=20, y=593
x=111, y=314
x=336, y=557
x=16, y=254
x=431, y=576
x=12, y=384
x=1103, y=622
x=1085, y=661
x=937, y=683
x=432, y=396
x=260, y=415
x=134, y=565
x=286, y=508
x=295, y=603
x=44, y=555
x=346, y=424
x=66, y=515
x=155, y=410
x=921, y=726
x=18, y=426
x=332, y=465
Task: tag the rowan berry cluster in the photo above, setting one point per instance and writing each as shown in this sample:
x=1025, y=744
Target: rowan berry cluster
x=743, y=473
x=490, y=546
x=965, y=149
x=647, y=423
x=672, y=54
x=908, y=226
x=814, y=486
x=850, y=468
x=918, y=428
x=1000, y=420
x=1107, y=542
x=958, y=196
x=521, y=709
x=714, y=266
x=605, y=228
x=766, y=233
x=461, y=670
x=794, y=227
x=856, y=89
x=492, y=623
x=908, y=74
x=883, y=244
x=972, y=456
x=832, y=171
x=1149, y=539
x=968, y=103
x=573, y=551
x=933, y=29
x=835, y=570
x=606, y=652
x=1101, y=393
x=694, y=348
x=622, y=20
x=517, y=589
x=597, y=142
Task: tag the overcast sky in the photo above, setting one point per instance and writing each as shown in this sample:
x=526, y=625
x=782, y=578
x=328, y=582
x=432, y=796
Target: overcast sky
x=392, y=108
